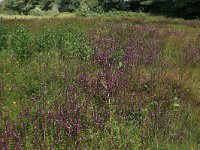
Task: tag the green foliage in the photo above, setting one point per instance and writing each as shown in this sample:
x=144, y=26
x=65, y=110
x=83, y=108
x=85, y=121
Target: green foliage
x=72, y=42
x=21, y=6
x=24, y=6
x=46, y=39
x=68, y=39
x=37, y=11
x=21, y=42
x=68, y=5
x=186, y=8
x=183, y=8
x=3, y=36
x=47, y=4
x=88, y=5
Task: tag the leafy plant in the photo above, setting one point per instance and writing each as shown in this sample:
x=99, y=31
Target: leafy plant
x=72, y=42
x=46, y=39
x=21, y=42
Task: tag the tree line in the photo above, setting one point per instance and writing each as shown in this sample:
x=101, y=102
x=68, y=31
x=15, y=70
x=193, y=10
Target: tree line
x=181, y=8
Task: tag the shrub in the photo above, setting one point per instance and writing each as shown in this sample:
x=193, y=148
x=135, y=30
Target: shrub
x=21, y=42
x=36, y=12
x=68, y=39
x=39, y=12
x=46, y=39
x=72, y=42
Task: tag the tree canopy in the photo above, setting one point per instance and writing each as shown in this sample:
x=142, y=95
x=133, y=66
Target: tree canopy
x=182, y=8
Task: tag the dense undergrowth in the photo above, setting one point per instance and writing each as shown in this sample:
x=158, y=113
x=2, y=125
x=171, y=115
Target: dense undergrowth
x=99, y=83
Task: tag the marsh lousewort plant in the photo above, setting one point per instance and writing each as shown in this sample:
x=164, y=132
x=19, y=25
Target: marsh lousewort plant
x=99, y=83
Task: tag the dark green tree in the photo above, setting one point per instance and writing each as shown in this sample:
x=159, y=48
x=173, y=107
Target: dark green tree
x=181, y=8
x=47, y=4
x=68, y=5
x=186, y=8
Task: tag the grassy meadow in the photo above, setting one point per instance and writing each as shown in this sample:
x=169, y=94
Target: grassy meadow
x=110, y=82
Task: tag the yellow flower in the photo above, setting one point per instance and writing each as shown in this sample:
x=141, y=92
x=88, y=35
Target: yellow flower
x=14, y=103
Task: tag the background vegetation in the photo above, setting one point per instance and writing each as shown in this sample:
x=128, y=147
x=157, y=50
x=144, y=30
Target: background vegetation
x=178, y=8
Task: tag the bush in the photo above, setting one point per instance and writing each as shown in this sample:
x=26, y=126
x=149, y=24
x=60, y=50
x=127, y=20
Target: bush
x=90, y=7
x=72, y=42
x=46, y=39
x=36, y=12
x=67, y=39
x=21, y=42
x=39, y=12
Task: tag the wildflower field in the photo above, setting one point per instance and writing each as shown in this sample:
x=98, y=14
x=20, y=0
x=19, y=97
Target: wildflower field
x=101, y=82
